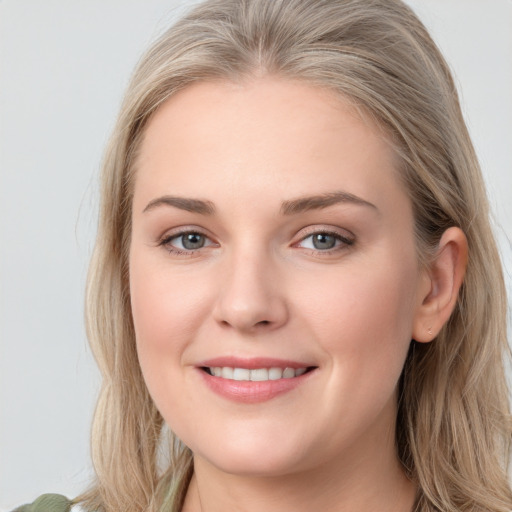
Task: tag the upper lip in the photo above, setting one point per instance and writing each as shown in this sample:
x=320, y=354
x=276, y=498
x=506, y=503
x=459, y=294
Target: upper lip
x=252, y=363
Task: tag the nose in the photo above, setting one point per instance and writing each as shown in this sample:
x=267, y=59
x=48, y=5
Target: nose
x=251, y=298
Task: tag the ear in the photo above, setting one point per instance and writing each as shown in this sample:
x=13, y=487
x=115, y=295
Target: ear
x=440, y=284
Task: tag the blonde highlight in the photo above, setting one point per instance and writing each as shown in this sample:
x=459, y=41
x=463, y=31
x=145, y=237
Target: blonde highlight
x=453, y=429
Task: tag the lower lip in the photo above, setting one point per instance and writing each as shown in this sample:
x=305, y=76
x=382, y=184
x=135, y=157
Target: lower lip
x=250, y=392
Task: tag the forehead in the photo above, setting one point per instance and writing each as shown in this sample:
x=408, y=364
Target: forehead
x=265, y=136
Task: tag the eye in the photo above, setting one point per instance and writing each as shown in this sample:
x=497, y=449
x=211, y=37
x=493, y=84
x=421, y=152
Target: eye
x=325, y=241
x=185, y=242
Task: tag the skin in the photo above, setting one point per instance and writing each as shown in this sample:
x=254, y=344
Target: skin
x=259, y=288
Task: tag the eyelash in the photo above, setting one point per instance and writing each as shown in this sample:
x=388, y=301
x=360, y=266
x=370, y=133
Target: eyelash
x=342, y=242
x=166, y=242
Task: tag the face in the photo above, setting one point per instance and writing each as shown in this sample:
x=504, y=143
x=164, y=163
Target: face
x=273, y=275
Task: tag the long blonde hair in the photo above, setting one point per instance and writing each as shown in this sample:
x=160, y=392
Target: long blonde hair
x=453, y=428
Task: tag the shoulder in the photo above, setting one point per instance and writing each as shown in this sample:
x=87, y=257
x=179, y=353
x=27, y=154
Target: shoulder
x=49, y=503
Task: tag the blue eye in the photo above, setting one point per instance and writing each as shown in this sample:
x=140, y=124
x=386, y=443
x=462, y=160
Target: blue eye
x=188, y=241
x=191, y=241
x=324, y=241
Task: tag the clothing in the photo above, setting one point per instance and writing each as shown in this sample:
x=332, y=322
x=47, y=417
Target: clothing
x=47, y=503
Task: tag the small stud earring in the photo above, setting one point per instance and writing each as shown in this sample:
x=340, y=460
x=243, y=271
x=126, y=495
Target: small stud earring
x=429, y=330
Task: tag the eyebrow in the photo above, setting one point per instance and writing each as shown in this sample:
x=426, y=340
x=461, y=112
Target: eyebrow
x=290, y=207
x=317, y=202
x=183, y=203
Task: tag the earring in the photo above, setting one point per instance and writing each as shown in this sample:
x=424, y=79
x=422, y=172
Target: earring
x=429, y=330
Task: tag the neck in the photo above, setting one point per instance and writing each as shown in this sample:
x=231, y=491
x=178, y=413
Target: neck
x=375, y=482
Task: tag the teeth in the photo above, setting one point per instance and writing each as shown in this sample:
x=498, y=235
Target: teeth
x=227, y=373
x=241, y=374
x=257, y=374
x=288, y=373
x=275, y=373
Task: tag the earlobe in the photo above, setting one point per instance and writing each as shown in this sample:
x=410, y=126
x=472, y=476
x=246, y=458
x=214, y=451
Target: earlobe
x=439, y=289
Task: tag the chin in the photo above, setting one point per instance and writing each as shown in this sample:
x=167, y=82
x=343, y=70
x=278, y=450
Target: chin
x=267, y=459
x=255, y=467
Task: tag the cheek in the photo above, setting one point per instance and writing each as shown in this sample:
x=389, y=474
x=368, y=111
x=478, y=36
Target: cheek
x=364, y=323
x=364, y=326
x=165, y=312
x=362, y=300
x=165, y=308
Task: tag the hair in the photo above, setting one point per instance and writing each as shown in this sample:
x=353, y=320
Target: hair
x=453, y=428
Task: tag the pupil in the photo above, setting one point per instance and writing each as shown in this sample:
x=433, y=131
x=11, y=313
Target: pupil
x=193, y=241
x=324, y=241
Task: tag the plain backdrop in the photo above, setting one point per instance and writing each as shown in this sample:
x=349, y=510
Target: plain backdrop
x=63, y=68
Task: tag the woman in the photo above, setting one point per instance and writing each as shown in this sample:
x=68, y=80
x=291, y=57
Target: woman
x=295, y=272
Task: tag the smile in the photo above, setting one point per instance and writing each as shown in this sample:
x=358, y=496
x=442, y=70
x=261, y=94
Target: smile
x=253, y=380
x=255, y=374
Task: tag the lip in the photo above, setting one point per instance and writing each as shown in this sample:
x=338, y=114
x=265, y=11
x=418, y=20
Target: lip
x=254, y=362
x=249, y=392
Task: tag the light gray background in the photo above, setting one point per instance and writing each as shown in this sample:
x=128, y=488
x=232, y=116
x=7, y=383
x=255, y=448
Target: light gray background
x=63, y=67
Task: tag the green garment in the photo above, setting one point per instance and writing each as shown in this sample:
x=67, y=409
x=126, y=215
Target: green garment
x=47, y=503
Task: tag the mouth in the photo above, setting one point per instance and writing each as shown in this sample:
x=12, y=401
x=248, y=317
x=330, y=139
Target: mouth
x=256, y=374
x=253, y=380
